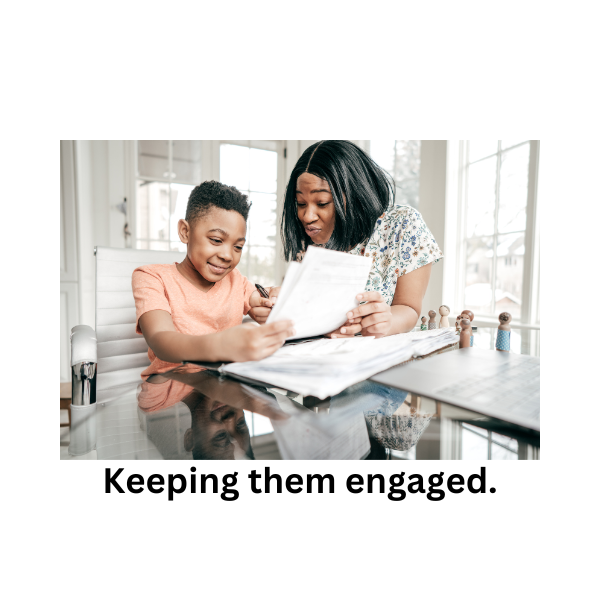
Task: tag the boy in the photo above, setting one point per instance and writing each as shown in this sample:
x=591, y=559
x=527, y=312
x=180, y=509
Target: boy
x=193, y=310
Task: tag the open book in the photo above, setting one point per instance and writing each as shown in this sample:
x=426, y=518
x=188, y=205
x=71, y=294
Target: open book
x=318, y=292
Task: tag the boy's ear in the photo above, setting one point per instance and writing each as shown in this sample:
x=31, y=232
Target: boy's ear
x=183, y=228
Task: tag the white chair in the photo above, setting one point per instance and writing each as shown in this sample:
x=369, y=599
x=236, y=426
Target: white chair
x=114, y=356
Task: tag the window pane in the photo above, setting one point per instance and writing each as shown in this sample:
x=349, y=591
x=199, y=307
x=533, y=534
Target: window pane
x=383, y=153
x=509, y=273
x=186, y=161
x=481, y=148
x=235, y=166
x=263, y=171
x=484, y=338
x=510, y=143
x=505, y=441
x=159, y=245
x=478, y=290
x=178, y=247
x=474, y=447
x=514, y=176
x=153, y=159
x=516, y=340
x=406, y=172
x=499, y=453
x=481, y=198
x=262, y=265
x=180, y=194
x=402, y=160
x=153, y=210
x=262, y=219
x=475, y=429
x=254, y=172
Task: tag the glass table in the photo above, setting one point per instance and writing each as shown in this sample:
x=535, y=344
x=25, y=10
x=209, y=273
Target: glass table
x=193, y=413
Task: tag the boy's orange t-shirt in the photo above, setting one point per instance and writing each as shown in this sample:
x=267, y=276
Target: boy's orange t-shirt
x=158, y=396
x=194, y=312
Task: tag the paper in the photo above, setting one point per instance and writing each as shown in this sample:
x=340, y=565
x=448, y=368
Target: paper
x=317, y=293
x=326, y=367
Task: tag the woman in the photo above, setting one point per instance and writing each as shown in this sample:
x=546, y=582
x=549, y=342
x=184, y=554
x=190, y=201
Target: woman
x=339, y=198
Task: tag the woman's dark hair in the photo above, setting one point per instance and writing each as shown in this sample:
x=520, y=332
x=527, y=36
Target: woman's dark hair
x=352, y=176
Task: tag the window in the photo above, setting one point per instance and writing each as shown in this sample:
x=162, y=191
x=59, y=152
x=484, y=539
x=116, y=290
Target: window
x=402, y=160
x=253, y=171
x=499, y=198
x=167, y=173
x=481, y=444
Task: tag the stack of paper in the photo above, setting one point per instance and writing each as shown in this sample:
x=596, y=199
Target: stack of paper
x=318, y=292
x=326, y=367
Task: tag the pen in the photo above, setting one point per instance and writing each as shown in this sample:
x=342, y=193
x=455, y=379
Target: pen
x=261, y=290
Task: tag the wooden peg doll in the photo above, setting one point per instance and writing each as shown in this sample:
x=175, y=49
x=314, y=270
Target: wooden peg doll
x=503, y=337
x=432, y=324
x=423, y=324
x=444, y=312
x=469, y=314
x=457, y=324
x=466, y=334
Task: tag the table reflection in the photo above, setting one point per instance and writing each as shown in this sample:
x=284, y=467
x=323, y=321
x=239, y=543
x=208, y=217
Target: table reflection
x=194, y=413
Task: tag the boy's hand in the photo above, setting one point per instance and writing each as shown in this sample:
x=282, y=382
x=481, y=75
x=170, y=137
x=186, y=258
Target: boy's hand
x=248, y=342
x=261, y=307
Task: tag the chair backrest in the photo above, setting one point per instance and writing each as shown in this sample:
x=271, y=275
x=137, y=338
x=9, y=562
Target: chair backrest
x=122, y=353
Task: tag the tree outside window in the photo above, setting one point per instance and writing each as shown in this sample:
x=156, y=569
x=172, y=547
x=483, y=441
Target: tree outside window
x=402, y=160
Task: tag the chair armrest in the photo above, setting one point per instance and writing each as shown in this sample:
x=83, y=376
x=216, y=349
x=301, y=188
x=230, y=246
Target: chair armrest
x=84, y=358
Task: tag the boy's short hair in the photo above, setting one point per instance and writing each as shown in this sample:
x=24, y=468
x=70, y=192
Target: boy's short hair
x=214, y=193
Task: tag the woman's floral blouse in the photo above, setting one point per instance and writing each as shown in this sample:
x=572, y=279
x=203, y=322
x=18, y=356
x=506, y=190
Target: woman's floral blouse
x=400, y=244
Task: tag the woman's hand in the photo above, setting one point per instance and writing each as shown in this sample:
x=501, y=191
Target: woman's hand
x=375, y=316
x=261, y=307
x=349, y=329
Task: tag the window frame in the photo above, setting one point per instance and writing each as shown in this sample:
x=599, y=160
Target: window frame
x=530, y=317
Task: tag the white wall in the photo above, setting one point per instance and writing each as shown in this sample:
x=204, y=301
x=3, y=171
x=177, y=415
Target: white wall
x=69, y=272
x=103, y=181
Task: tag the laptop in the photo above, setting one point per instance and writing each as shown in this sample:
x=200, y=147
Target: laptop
x=502, y=385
